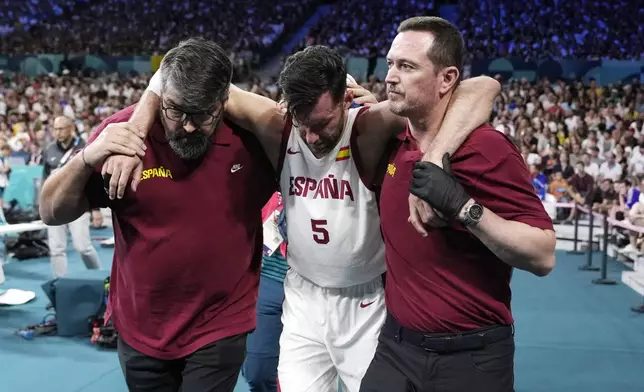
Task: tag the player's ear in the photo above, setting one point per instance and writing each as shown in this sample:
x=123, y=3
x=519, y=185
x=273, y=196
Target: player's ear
x=348, y=98
x=449, y=79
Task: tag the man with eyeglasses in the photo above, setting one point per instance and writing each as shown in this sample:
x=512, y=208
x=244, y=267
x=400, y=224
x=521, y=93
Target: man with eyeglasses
x=55, y=156
x=188, y=243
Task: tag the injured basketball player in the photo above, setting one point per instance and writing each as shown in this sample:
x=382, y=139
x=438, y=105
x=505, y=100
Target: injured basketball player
x=327, y=157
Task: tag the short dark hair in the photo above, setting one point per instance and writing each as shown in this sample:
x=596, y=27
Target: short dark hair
x=200, y=70
x=308, y=74
x=448, y=48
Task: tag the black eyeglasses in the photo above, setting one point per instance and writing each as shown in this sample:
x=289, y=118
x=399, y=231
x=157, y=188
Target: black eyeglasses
x=197, y=118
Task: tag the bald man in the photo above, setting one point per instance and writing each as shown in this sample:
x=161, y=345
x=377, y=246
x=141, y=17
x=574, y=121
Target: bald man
x=55, y=156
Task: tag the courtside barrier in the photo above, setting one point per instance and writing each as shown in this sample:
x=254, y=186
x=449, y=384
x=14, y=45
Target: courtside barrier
x=575, y=240
x=607, y=224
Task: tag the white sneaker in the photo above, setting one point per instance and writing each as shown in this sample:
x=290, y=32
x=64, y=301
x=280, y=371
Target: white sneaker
x=627, y=249
x=108, y=243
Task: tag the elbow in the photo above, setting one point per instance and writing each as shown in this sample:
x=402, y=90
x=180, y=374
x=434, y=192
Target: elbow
x=545, y=263
x=46, y=206
x=46, y=217
x=491, y=86
x=544, y=266
x=45, y=211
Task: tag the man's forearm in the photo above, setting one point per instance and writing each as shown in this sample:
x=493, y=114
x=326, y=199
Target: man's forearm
x=62, y=198
x=146, y=111
x=147, y=108
x=517, y=244
x=470, y=106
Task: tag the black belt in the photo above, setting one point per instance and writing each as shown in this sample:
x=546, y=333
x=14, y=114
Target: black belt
x=444, y=343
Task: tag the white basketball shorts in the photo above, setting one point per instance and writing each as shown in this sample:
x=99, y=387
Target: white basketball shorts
x=330, y=334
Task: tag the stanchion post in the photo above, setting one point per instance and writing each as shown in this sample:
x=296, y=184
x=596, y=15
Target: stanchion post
x=575, y=241
x=589, y=252
x=603, y=279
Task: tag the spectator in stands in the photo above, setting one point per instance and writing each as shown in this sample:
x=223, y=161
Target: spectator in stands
x=5, y=169
x=611, y=169
x=559, y=187
x=590, y=164
x=635, y=217
x=636, y=160
x=580, y=187
x=55, y=156
x=627, y=197
x=539, y=181
x=604, y=197
x=564, y=166
x=35, y=155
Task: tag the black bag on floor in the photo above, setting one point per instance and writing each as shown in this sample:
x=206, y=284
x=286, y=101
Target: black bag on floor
x=24, y=247
x=29, y=244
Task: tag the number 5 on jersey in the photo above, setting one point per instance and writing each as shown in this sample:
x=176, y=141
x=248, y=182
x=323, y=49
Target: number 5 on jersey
x=320, y=234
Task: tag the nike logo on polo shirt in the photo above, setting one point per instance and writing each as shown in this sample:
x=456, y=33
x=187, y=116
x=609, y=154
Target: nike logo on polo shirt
x=291, y=152
x=364, y=305
x=236, y=167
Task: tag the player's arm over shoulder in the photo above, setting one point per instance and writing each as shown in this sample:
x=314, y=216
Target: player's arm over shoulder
x=260, y=115
x=470, y=106
x=255, y=113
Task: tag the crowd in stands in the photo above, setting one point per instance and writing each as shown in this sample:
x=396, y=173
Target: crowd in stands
x=530, y=30
x=363, y=28
x=28, y=107
x=248, y=29
x=564, y=129
x=581, y=142
x=553, y=28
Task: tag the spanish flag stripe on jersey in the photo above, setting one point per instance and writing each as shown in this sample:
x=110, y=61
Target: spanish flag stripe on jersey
x=343, y=154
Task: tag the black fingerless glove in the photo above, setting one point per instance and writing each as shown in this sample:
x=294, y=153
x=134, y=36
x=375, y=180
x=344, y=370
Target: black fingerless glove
x=439, y=188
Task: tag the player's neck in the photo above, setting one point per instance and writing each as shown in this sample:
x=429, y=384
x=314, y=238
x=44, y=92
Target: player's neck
x=426, y=126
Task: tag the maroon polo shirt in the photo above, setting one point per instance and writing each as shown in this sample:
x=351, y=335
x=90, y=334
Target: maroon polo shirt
x=188, y=243
x=449, y=281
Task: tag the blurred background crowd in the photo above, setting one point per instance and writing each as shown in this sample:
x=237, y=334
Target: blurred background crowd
x=581, y=141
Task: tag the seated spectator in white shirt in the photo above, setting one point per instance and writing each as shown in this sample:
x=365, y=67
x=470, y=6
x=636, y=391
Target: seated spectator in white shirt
x=610, y=169
x=636, y=160
x=590, y=167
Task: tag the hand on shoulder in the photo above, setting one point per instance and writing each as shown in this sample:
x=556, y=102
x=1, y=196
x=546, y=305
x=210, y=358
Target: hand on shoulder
x=118, y=149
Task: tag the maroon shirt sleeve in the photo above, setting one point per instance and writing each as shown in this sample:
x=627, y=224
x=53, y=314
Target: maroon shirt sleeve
x=496, y=176
x=94, y=189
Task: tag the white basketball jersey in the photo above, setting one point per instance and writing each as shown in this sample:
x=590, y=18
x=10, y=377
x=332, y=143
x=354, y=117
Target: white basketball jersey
x=332, y=219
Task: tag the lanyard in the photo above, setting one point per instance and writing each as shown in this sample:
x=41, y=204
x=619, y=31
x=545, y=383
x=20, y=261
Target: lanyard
x=68, y=154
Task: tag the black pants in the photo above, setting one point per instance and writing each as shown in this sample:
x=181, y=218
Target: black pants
x=213, y=368
x=407, y=361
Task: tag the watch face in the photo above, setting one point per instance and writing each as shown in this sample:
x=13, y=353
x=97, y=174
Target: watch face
x=476, y=212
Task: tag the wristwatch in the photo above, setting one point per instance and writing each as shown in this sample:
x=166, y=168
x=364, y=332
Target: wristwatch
x=472, y=215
